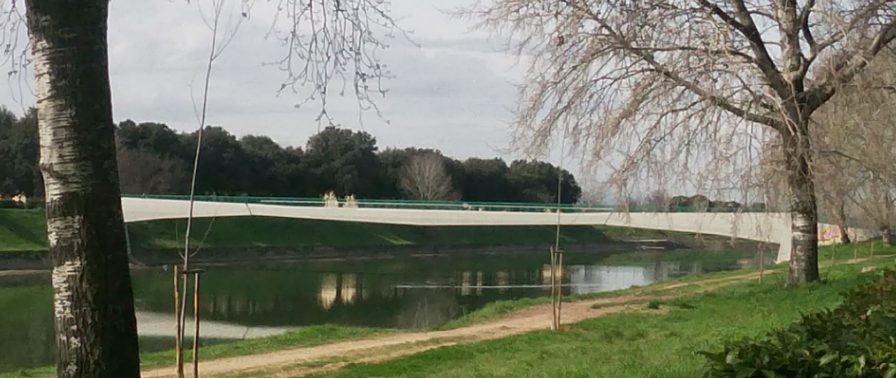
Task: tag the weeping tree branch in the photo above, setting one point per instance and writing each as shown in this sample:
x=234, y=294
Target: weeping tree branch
x=668, y=88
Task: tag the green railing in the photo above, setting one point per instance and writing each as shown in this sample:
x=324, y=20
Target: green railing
x=439, y=205
x=387, y=204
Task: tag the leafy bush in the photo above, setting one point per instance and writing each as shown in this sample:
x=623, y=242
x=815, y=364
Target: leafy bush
x=857, y=339
x=10, y=204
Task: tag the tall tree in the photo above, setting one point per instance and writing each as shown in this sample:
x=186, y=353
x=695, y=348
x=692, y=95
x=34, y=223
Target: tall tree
x=424, y=177
x=486, y=180
x=145, y=172
x=225, y=166
x=153, y=137
x=661, y=81
x=19, y=172
x=273, y=169
x=536, y=181
x=392, y=161
x=343, y=161
x=94, y=304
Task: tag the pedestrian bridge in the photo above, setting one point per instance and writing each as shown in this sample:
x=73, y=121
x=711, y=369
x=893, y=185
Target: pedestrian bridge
x=759, y=226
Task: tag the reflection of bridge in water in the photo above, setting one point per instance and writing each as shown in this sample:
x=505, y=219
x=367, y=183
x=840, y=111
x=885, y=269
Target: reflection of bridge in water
x=404, y=300
x=764, y=227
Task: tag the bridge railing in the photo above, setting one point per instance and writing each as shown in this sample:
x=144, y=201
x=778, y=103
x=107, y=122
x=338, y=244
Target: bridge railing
x=431, y=205
x=388, y=204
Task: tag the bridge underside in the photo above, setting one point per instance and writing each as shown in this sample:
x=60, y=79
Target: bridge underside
x=764, y=227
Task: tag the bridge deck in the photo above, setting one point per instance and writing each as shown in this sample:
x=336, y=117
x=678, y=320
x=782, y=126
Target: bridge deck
x=765, y=227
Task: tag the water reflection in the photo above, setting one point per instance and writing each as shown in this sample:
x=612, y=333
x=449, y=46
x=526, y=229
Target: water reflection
x=412, y=293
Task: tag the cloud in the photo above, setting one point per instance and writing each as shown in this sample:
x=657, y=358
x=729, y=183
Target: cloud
x=452, y=93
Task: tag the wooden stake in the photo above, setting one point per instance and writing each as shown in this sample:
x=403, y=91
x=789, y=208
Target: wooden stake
x=178, y=342
x=559, y=285
x=761, y=264
x=553, y=290
x=196, y=324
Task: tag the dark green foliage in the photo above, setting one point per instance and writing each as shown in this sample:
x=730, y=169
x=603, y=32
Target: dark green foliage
x=19, y=173
x=155, y=159
x=856, y=339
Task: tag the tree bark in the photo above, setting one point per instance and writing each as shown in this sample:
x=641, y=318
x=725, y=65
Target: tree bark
x=96, y=331
x=803, y=206
x=844, y=230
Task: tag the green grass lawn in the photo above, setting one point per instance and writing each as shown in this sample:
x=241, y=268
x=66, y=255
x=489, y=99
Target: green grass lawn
x=23, y=230
x=305, y=337
x=646, y=344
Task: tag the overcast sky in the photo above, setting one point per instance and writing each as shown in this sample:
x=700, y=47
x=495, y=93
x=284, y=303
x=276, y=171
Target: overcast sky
x=453, y=93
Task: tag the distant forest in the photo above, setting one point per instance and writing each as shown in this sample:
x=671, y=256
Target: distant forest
x=154, y=159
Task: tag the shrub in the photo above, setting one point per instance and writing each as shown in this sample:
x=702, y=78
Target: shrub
x=36, y=203
x=857, y=339
x=10, y=204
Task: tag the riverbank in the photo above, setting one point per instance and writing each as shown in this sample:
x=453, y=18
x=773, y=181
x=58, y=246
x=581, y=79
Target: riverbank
x=258, y=239
x=25, y=230
x=648, y=331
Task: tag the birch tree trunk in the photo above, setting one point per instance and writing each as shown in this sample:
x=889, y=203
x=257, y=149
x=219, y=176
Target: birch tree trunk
x=803, y=206
x=96, y=332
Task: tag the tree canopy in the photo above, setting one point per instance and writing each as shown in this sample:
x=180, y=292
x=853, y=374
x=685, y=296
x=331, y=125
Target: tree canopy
x=156, y=159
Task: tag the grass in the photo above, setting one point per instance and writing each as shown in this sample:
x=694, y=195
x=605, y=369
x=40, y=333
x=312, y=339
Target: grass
x=636, y=344
x=305, y=337
x=25, y=230
x=22, y=230
x=492, y=311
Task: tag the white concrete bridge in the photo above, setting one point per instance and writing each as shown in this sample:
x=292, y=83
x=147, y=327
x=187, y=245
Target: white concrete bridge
x=764, y=227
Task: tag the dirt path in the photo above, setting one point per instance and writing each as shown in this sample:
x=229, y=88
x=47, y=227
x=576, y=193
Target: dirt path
x=303, y=361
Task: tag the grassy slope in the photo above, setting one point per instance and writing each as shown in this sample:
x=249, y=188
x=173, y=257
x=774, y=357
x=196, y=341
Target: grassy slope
x=22, y=230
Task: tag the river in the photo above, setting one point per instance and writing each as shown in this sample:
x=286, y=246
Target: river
x=260, y=300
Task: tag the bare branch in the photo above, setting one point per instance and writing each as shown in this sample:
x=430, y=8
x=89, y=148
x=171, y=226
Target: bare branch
x=424, y=177
x=327, y=39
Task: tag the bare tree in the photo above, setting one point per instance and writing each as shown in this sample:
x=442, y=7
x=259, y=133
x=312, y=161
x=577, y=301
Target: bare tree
x=94, y=303
x=141, y=171
x=663, y=80
x=424, y=177
x=833, y=191
x=855, y=138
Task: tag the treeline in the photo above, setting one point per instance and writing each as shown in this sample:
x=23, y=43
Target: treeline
x=659, y=201
x=154, y=159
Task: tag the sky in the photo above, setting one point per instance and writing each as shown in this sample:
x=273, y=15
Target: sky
x=454, y=88
x=454, y=92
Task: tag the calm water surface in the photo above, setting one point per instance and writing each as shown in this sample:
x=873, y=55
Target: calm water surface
x=400, y=293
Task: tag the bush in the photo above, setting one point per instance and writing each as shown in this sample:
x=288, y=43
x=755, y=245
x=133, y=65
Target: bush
x=857, y=339
x=31, y=204
x=10, y=204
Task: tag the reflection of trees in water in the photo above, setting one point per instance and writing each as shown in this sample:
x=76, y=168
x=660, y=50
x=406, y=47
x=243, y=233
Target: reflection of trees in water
x=427, y=308
x=286, y=297
x=339, y=288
